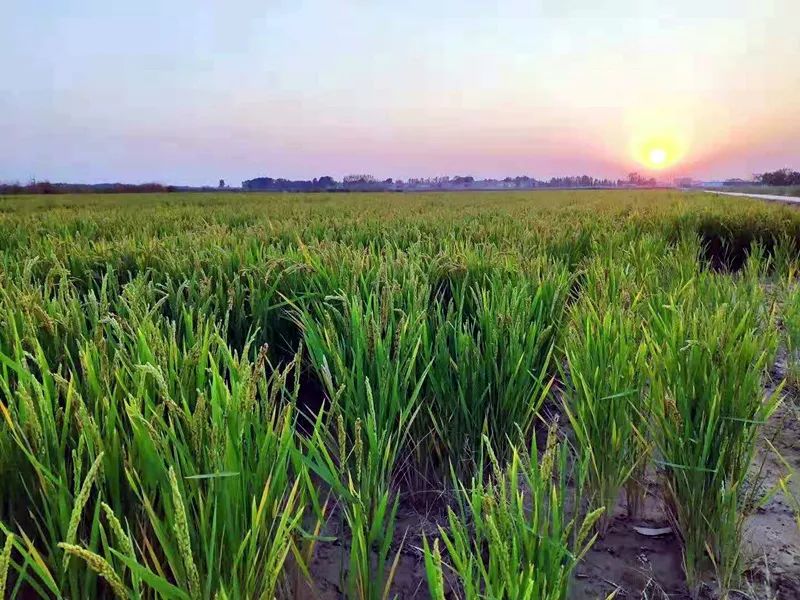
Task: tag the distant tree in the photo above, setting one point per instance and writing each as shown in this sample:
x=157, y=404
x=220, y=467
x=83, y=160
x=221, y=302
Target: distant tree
x=46, y=187
x=779, y=177
x=221, y=183
x=358, y=179
x=636, y=179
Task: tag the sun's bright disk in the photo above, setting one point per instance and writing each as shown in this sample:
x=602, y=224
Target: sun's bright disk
x=659, y=138
x=658, y=156
x=657, y=153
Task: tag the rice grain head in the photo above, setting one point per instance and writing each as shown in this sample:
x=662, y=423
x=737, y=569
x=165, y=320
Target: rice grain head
x=99, y=565
x=80, y=503
x=5, y=563
x=181, y=527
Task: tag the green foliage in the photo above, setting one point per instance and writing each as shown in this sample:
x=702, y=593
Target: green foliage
x=168, y=406
x=197, y=390
x=492, y=365
x=513, y=537
x=711, y=344
x=606, y=361
x=790, y=318
x=358, y=468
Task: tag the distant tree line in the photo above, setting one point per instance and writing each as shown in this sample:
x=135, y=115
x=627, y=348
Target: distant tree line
x=634, y=179
x=364, y=183
x=46, y=187
x=325, y=183
x=779, y=177
x=585, y=181
x=518, y=182
x=358, y=179
x=269, y=184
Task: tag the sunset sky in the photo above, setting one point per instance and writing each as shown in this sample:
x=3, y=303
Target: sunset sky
x=193, y=91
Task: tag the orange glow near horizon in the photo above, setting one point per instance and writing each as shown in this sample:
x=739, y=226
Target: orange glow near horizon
x=659, y=153
x=658, y=142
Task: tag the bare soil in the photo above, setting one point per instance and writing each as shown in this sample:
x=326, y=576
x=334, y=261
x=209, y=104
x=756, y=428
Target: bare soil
x=630, y=563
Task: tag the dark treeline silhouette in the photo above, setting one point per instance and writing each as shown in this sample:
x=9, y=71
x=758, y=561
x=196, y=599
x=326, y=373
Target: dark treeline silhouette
x=46, y=187
x=636, y=180
x=350, y=183
x=268, y=184
x=580, y=181
x=459, y=182
x=781, y=177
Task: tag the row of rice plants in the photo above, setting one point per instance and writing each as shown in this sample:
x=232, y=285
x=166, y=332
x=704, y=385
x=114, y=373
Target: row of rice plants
x=147, y=398
x=119, y=475
x=157, y=446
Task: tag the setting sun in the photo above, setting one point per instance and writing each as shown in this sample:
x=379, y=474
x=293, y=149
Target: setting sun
x=659, y=152
x=660, y=137
x=659, y=149
x=658, y=156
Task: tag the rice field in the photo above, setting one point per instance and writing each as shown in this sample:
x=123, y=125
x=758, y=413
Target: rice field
x=374, y=396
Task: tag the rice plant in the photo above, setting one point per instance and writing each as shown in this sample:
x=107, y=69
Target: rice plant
x=711, y=343
x=605, y=359
x=369, y=352
x=197, y=391
x=492, y=363
x=213, y=472
x=358, y=469
x=372, y=345
x=790, y=319
x=518, y=536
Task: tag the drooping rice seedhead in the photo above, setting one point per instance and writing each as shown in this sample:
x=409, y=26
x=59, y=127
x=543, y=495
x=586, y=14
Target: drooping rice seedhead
x=156, y=373
x=358, y=449
x=85, y=421
x=59, y=418
x=398, y=335
x=199, y=425
x=43, y=318
x=77, y=465
x=99, y=565
x=296, y=367
x=173, y=409
x=31, y=425
x=341, y=438
x=548, y=457
x=181, y=527
x=497, y=541
x=252, y=383
x=385, y=304
x=122, y=537
x=231, y=297
x=588, y=525
x=671, y=410
x=216, y=443
x=80, y=502
x=5, y=563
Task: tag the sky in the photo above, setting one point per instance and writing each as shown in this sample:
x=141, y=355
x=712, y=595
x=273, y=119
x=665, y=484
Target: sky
x=191, y=91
